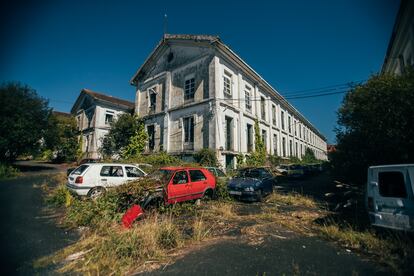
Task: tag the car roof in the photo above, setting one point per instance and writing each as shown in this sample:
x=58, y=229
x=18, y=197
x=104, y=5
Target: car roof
x=391, y=166
x=109, y=164
x=175, y=168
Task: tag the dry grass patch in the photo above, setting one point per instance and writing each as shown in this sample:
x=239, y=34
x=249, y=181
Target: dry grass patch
x=293, y=199
x=393, y=249
x=222, y=210
x=119, y=251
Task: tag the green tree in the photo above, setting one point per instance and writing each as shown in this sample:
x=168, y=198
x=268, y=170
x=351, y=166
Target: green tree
x=258, y=156
x=23, y=120
x=61, y=137
x=136, y=143
x=309, y=157
x=127, y=137
x=375, y=125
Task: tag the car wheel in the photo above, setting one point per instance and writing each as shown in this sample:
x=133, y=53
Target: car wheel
x=208, y=194
x=96, y=192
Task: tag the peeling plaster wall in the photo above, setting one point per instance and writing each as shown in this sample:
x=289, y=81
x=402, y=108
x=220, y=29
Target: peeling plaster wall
x=168, y=75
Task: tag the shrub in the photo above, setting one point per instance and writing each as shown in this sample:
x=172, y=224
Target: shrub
x=206, y=157
x=7, y=171
x=222, y=192
x=275, y=160
x=59, y=196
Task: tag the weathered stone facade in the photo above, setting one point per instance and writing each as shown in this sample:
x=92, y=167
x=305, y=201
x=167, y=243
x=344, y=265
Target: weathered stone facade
x=94, y=112
x=195, y=93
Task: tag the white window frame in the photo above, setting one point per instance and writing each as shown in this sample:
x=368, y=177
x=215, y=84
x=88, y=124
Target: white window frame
x=227, y=91
x=189, y=78
x=108, y=112
x=248, y=103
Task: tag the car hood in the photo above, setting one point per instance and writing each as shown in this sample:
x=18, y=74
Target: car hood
x=243, y=182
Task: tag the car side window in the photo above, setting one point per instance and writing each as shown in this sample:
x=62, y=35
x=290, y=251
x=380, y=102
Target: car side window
x=114, y=171
x=213, y=171
x=133, y=172
x=392, y=184
x=197, y=175
x=180, y=177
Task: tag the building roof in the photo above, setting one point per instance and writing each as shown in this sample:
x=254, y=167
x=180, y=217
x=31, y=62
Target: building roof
x=223, y=48
x=59, y=113
x=108, y=98
x=102, y=97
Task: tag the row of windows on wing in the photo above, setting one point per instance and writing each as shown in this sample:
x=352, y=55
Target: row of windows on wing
x=228, y=126
x=227, y=91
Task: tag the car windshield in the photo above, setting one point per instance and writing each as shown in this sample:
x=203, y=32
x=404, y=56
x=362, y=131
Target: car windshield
x=253, y=173
x=79, y=170
x=163, y=175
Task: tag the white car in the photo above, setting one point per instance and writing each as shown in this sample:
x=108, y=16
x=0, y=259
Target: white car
x=93, y=179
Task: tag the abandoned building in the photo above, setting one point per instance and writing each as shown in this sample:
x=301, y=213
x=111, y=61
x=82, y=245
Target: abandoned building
x=194, y=92
x=400, y=51
x=94, y=112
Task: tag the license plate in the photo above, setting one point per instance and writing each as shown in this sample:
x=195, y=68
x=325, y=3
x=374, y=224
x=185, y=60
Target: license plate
x=235, y=193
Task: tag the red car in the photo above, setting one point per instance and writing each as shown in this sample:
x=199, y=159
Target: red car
x=185, y=183
x=178, y=184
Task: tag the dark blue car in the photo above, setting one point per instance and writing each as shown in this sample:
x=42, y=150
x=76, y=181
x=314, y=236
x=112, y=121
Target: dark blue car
x=252, y=184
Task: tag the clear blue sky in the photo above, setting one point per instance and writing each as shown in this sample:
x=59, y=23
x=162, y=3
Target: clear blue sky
x=60, y=47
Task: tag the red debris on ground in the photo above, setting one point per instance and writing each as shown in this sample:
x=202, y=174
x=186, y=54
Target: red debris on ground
x=131, y=215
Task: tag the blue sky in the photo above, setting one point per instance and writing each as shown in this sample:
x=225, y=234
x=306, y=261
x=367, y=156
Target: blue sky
x=60, y=47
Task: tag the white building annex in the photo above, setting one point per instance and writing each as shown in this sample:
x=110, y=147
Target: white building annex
x=94, y=112
x=195, y=92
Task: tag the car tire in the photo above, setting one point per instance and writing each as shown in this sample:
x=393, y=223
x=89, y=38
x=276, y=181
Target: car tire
x=96, y=192
x=208, y=194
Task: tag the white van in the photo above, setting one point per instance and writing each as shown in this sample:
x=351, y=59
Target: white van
x=389, y=198
x=94, y=178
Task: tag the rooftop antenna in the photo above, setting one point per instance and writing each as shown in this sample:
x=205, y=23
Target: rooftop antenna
x=165, y=23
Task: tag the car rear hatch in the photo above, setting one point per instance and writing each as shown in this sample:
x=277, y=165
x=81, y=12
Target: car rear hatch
x=390, y=197
x=76, y=173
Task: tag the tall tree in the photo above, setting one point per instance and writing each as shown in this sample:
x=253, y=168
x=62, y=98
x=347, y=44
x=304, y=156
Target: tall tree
x=375, y=125
x=23, y=120
x=126, y=138
x=61, y=137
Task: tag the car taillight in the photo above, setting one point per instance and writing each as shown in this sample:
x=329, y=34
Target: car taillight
x=370, y=204
x=79, y=180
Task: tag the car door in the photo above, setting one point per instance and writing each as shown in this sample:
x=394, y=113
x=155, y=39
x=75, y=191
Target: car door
x=178, y=188
x=393, y=197
x=198, y=184
x=112, y=175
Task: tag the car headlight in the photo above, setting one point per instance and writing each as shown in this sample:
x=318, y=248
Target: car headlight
x=249, y=189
